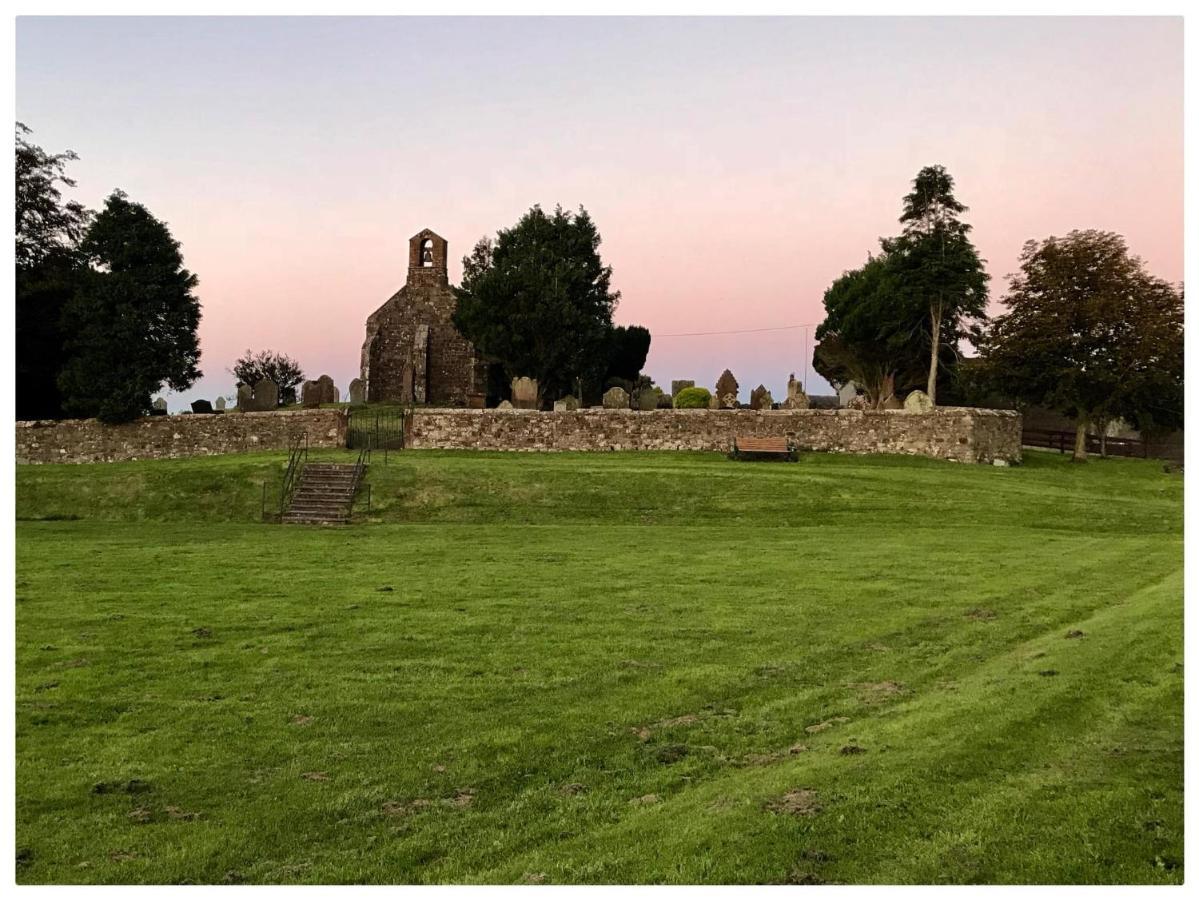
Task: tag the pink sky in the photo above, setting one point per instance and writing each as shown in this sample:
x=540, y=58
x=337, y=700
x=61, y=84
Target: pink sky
x=735, y=166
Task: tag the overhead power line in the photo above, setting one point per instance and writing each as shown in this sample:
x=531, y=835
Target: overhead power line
x=737, y=331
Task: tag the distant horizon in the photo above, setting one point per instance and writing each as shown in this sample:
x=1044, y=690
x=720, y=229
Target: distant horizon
x=734, y=166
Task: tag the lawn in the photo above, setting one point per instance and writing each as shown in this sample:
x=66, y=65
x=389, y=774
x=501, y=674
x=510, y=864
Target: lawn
x=603, y=668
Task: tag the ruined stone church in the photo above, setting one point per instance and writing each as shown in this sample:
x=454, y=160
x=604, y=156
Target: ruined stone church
x=413, y=353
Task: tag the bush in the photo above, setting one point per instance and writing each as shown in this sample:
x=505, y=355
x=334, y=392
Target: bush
x=692, y=398
x=665, y=401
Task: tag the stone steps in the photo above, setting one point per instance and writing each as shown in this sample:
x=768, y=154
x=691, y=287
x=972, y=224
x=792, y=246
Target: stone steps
x=323, y=495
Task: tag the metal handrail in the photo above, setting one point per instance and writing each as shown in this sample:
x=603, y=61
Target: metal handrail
x=364, y=460
x=297, y=457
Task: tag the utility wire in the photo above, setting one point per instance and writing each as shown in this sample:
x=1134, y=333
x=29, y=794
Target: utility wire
x=739, y=331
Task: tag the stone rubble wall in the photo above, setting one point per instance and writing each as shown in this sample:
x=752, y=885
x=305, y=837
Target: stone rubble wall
x=169, y=437
x=951, y=433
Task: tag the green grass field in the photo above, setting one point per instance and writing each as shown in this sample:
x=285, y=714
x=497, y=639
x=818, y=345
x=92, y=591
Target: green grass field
x=603, y=668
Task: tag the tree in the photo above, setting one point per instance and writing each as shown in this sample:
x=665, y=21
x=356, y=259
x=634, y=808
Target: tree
x=47, y=268
x=934, y=266
x=252, y=367
x=627, y=348
x=131, y=326
x=868, y=335
x=538, y=299
x=1089, y=333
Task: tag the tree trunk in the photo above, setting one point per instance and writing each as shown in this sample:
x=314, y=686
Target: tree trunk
x=935, y=317
x=1080, y=442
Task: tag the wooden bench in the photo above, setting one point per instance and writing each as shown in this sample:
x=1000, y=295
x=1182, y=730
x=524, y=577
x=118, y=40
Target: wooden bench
x=762, y=448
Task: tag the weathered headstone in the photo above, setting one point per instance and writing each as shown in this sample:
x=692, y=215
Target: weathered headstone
x=314, y=393
x=357, y=391
x=160, y=404
x=266, y=395
x=919, y=402
x=759, y=398
x=676, y=386
x=220, y=404
x=616, y=398
x=726, y=390
x=245, y=398
x=201, y=406
x=647, y=398
x=566, y=404
x=797, y=398
x=524, y=393
x=505, y=404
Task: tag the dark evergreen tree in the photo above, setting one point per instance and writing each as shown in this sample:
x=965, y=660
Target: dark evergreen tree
x=47, y=269
x=538, y=300
x=131, y=326
x=934, y=266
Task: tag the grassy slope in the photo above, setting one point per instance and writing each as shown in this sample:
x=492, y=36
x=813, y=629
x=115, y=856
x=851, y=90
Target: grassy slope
x=638, y=624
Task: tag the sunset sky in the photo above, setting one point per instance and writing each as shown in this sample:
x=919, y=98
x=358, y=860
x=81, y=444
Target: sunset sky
x=735, y=167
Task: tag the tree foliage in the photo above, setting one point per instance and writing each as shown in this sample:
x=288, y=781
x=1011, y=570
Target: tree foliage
x=48, y=264
x=868, y=336
x=1090, y=333
x=935, y=267
x=252, y=367
x=131, y=325
x=538, y=300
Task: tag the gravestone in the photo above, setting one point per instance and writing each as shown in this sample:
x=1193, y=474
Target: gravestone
x=357, y=391
x=647, y=398
x=759, y=398
x=616, y=398
x=160, y=403
x=266, y=395
x=797, y=398
x=245, y=397
x=676, y=386
x=566, y=404
x=201, y=406
x=726, y=390
x=314, y=393
x=505, y=404
x=918, y=402
x=220, y=404
x=524, y=393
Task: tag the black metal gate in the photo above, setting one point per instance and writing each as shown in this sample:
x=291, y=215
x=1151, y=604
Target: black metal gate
x=376, y=429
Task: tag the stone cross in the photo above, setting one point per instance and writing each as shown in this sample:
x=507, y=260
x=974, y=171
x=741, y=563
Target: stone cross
x=726, y=390
x=796, y=397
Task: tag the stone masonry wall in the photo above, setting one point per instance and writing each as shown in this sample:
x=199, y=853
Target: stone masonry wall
x=168, y=437
x=963, y=435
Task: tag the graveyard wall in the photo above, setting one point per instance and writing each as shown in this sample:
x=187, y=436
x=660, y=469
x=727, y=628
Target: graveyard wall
x=964, y=435
x=168, y=437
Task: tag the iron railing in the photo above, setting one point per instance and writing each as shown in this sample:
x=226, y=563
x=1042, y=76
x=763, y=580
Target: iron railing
x=297, y=456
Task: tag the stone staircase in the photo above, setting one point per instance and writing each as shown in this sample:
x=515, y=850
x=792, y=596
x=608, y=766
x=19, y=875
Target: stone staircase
x=323, y=495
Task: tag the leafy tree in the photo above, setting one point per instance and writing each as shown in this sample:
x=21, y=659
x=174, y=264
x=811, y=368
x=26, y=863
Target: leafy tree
x=934, y=266
x=252, y=367
x=47, y=268
x=867, y=335
x=538, y=299
x=132, y=324
x=1090, y=333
